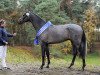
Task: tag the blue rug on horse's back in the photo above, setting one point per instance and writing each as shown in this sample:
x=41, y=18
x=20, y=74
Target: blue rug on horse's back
x=42, y=29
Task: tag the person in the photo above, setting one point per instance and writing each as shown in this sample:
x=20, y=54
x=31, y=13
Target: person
x=3, y=43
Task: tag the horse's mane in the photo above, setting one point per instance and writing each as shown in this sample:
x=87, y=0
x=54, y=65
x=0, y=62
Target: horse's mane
x=38, y=16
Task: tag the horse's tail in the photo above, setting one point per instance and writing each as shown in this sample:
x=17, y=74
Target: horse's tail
x=83, y=46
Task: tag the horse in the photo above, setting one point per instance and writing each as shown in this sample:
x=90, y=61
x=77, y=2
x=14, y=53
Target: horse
x=56, y=34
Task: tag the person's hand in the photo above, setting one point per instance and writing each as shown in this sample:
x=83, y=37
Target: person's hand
x=6, y=43
x=14, y=34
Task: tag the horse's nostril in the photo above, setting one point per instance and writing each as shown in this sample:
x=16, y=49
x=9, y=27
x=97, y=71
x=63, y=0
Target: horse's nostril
x=19, y=21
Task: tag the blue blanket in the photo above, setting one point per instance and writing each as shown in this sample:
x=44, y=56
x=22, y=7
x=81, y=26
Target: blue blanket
x=42, y=29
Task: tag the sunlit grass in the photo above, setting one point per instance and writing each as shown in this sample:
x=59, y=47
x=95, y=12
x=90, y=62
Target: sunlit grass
x=18, y=55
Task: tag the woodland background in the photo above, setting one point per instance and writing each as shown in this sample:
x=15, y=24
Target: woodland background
x=85, y=13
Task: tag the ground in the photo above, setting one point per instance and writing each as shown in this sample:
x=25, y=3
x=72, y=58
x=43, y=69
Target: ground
x=23, y=61
x=29, y=69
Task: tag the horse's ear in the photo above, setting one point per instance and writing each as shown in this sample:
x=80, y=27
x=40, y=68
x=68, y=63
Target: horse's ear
x=28, y=14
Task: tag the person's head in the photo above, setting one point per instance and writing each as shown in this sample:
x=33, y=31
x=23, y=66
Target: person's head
x=2, y=23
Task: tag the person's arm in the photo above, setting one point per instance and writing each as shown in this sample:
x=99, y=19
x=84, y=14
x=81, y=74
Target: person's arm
x=1, y=39
x=9, y=35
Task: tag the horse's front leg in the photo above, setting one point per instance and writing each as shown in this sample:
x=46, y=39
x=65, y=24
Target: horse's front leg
x=43, y=55
x=48, y=55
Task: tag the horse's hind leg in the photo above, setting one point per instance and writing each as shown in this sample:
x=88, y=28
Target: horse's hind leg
x=84, y=64
x=48, y=55
x=82, y=55
x=43, y=55
x=83, y=60
x=74, y=56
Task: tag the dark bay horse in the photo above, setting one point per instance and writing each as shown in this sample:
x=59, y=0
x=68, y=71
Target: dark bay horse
x=56, y=34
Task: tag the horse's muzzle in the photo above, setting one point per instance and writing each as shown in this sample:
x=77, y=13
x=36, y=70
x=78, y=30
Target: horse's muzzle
x=20, y=21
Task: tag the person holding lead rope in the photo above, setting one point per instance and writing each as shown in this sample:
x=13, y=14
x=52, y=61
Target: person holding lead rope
x=3, y=43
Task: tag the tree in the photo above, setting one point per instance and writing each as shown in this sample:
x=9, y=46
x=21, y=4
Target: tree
x=57, y=11
x=89, y=26
x=74, y=9
x=66, y=5
x=49, y=10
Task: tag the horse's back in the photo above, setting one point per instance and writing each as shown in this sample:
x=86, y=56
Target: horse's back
x=67, y=27
x=72, y=26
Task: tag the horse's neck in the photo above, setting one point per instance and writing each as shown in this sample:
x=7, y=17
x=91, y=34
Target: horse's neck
x=37, y=22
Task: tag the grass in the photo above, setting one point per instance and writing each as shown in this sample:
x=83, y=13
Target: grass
x=28, y=55
x=19, y=55
x=92, y=60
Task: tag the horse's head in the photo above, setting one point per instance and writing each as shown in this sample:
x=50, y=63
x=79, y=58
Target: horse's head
x=24, y=18
x=36, y=21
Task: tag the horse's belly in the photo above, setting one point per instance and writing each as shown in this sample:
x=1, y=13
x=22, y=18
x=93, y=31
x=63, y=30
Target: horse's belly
x=56, y=41
x=57, y=38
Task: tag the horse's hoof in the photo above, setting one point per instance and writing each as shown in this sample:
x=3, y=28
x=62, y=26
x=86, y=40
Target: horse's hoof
x=82, y=69
x=69, y=67
x=47, y=66
x=41, y=68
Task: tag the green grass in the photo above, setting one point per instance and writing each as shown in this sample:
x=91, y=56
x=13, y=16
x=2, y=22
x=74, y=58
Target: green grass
x=25, y=55
x=92, y=60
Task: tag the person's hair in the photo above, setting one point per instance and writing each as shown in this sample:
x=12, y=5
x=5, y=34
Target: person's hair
x=2, y=22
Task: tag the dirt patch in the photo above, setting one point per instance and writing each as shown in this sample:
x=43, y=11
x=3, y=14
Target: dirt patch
x=29, y=69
